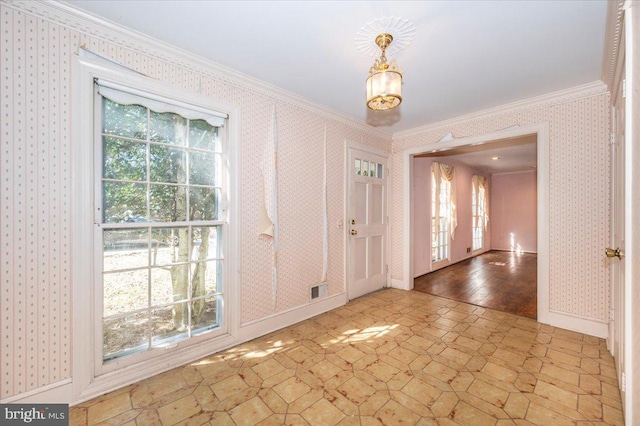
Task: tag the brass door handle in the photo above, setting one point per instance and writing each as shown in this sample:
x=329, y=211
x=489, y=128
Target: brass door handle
x=609, y=252
x=354, y=232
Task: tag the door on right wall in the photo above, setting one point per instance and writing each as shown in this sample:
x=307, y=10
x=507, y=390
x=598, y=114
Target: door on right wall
x=615, y=252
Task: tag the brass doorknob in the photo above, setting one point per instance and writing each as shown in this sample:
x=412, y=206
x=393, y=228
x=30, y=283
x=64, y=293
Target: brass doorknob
x=609, y=252
x=354, y=232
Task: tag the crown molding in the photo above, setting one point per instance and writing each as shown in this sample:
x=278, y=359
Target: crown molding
x=562, y=96
x=68, y=16
x=612, y=40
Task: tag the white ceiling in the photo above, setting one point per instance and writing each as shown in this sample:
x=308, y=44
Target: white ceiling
x=466, y=56
x=514, y=155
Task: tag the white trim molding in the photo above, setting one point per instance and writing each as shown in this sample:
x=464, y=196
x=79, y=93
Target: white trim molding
x=612, y=40
x=54, y=393
x=542, y=132
x=577, y=323
x=271, y=323
x=86, y=22
x=562, y=96
x=87, y=383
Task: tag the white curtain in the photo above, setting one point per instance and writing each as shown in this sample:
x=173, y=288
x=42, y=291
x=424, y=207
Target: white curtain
x=481, y=182
x=444, y=173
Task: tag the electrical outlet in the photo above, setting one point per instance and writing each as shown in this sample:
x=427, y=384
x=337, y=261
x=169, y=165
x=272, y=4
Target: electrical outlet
x=468, y=249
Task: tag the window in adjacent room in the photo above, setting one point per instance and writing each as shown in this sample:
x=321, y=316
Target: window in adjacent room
x=443, y=211
x=479, y=210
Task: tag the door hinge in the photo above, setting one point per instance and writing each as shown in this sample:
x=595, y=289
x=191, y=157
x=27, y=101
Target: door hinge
x=624, y=88
x=623, y=382
x=612, y=139
x=386, y=269
x=611, y=315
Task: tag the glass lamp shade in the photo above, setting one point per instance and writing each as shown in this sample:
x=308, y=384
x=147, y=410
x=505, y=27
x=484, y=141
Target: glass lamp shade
x=384, y=90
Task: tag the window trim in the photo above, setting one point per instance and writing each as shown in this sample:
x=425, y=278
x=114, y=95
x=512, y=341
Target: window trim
x=102, y=367
x=86, y=384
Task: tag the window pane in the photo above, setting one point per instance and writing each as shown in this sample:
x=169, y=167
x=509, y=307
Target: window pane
x=169, y=245
x=125, y=334
x=204, y=203
x=202, y=168
x=205, y=243
x=205, y=314
x=125, y=292
x=124, y=120
x=380, y=171
x=124, y=202
x=169, y=324
x=159, y=283
x=167, y=127
x=125, y=249
x=167, y=203
x=365, y=168
x=169, y=284
x=206, y=277
x=167, y=165
x=372, y=170
x=357, y=167
x=124, y=160
x=203, y=135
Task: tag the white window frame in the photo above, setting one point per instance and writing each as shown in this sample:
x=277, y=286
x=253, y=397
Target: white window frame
x=89, y=381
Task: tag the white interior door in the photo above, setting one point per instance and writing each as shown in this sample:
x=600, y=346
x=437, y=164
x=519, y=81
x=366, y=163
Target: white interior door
x=367, y=222
x=616, y=251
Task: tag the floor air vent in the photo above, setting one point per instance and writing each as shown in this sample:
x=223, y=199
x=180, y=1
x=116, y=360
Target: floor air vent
x=319, y=290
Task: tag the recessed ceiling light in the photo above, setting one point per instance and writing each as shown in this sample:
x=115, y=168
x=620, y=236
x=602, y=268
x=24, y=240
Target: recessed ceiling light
x=495, y=158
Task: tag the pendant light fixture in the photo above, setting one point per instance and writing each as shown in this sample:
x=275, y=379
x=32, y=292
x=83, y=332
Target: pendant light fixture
x=384, y=84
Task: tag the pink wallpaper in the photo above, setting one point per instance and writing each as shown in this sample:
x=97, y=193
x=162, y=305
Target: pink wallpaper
x=422, y=213
x=36, y=89
x=38, y=43
x=513, y=209
x=578, y=194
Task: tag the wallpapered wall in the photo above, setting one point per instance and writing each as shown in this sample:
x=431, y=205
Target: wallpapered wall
x=37, y=45
x=578, y=194
x=514, y=211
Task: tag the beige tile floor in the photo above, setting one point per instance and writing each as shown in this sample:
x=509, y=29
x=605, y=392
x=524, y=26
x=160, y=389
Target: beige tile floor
x=393, y=357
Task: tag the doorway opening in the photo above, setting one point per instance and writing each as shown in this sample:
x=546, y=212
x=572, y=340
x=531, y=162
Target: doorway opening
x=510, y=266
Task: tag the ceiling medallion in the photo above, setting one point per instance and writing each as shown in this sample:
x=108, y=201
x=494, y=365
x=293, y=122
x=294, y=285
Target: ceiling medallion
x=384, y=84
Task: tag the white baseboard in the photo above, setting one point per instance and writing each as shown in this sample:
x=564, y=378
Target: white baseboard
x=254, y=329
x=581, y=325
x=55, y=393
x=109, y=382
x=446, y=265
x=61, y=392
x=400, y=284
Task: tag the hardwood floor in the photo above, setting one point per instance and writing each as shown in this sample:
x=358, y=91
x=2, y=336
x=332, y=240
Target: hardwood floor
x=499, y=280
